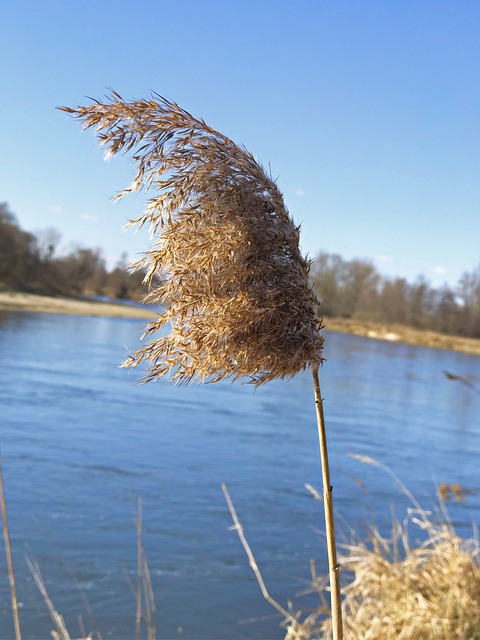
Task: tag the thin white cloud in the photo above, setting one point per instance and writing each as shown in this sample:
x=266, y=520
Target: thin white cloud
x=384, y=259
x=439, y=271
x=55, y=208
x=88, y=217
x=299, y=192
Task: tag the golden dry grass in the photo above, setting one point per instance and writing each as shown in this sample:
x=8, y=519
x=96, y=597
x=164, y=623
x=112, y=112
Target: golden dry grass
x=399, y=590
x=405, y=591
x=225, y=260
x=431, y=592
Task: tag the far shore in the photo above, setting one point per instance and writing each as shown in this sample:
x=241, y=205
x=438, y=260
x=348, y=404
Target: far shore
x=28, y=302
x=403, y=334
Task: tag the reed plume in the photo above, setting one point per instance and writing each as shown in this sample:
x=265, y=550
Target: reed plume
x=225, y=261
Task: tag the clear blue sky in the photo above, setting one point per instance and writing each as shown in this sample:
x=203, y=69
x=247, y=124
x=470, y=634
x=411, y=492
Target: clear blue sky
x=368, y=113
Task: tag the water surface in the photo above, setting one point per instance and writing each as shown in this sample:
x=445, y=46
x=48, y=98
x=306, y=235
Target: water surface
x=81, y=441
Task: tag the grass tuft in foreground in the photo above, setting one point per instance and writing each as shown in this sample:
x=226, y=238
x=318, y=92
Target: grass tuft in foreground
x=405, y=590
x=428, y=592
x=400, y=589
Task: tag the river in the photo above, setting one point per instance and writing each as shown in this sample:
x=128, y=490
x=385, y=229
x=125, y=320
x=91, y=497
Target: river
x=81, y=441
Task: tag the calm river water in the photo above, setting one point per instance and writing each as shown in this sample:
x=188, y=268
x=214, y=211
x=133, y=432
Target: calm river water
x=80, y=442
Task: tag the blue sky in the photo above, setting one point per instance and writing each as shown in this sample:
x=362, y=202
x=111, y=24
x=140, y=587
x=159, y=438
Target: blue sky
x=367, y=112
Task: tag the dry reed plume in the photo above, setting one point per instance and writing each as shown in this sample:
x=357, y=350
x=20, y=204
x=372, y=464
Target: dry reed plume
x=225, y=263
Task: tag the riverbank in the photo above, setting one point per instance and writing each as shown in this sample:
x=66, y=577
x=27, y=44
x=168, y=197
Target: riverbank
x=15, y=301
x=403, y=334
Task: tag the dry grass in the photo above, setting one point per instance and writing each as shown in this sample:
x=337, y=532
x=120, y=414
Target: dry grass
x=225, y=259
x=430, y=591
x=8, y=553
x=399, y=590
x=60, y=631
x=143, y=593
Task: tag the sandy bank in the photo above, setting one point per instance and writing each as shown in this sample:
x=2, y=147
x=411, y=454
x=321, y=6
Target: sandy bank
x=14, y=301
x=406, y=335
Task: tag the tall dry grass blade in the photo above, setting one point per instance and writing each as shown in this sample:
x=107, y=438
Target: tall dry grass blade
x=396, y=479
x=144, y=590
x=292, y=620
x=333, y=566
x=149, y=598
x=11, y=575
x=61, y=631
x=138, y=617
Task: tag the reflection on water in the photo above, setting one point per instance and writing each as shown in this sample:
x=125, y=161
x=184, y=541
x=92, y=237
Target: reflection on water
x=80, y=441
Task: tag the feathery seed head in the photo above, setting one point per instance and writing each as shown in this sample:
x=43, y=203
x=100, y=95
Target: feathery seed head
x=233, y=282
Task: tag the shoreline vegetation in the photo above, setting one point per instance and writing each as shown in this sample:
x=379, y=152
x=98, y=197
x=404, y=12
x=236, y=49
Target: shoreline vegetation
x=28, y=302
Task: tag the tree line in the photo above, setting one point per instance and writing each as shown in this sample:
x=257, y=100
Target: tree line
x=348, y=288
x=354, y=289
x=32, y=262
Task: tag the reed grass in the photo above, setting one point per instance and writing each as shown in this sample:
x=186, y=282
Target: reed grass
x=290, y=618
x=60, y=631
x=225, y=262
x=226, y=266
x=405, y=590
x=398, y=589
x=146, y=609
x=143, y=593
x=428, y=592
x=8, y=552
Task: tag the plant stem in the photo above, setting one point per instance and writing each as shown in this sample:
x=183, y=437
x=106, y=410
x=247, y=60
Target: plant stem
x=11, y=575
x=333, y=566
x=138, y=618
